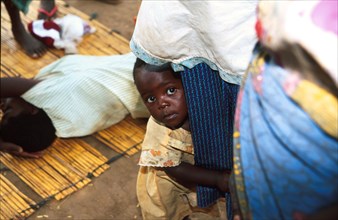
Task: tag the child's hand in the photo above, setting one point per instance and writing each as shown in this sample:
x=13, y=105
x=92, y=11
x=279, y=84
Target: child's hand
x=235, y=205
x=35, y=155
x=17, y=150
x=10, y=147
x=223, y=181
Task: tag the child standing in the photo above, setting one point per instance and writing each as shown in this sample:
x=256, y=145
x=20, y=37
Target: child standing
x=168, y=177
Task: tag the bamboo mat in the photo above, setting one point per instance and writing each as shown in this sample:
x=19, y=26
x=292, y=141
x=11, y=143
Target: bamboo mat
x=14, y=60
x=123, y=137
x=65, y=167
x=68, y=165
x=13, y=203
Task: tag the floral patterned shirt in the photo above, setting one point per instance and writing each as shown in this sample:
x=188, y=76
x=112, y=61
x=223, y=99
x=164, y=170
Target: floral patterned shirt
x=163, y=147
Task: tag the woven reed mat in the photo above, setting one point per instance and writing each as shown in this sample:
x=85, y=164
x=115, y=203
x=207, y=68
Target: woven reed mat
x=14, y=61
x=124, y=137
x=13, y=203
x=65, y=167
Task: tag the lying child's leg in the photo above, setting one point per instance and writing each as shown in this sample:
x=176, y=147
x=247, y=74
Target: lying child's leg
x=32, y=47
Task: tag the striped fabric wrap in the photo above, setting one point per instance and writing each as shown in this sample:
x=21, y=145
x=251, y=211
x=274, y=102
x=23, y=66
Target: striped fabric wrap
x=211, y=105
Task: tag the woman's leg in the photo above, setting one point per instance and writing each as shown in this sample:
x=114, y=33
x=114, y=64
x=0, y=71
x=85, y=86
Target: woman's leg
x=32, y=47
x=47, y=9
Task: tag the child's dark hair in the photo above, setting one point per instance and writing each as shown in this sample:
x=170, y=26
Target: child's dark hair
x=32, y=132
x=153, y=68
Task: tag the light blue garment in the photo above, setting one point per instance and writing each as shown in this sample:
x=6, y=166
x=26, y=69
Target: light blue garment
x=288, y=163
x=188, y=63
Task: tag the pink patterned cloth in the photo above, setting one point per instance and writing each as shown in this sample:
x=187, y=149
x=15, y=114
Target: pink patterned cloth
x=310, y=24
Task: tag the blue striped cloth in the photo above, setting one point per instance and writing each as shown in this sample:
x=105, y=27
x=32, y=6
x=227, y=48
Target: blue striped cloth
x=211, y=105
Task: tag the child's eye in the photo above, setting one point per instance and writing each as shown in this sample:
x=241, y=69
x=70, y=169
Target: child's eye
x=151, y=99
x=171, y=91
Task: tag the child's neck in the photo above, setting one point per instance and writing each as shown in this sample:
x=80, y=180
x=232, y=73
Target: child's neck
x=186, y=125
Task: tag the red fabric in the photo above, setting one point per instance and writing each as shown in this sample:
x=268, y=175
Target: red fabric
x=259, y=29
x=47, y=25
x=48, y=14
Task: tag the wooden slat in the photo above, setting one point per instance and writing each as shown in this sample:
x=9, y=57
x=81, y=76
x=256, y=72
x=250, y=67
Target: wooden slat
x=62, y=170
x=13, y=203
x=102, y=42
x=124, y=135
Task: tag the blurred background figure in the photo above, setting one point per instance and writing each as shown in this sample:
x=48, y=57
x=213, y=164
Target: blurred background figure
x=286, y=149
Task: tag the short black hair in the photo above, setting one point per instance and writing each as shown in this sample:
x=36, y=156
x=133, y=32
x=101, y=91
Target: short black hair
x=153, y=68
x=32, y=132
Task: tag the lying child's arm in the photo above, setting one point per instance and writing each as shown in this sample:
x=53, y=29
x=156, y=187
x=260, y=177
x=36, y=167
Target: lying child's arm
x=17, y=150
x=9, y=147
x=190, y=176
x=16, y=86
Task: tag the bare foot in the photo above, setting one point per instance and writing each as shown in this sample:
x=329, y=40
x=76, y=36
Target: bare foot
x=32, y=46
x=47, y=10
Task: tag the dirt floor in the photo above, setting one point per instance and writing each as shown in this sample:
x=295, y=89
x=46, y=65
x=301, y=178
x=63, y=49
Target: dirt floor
x=117, y=15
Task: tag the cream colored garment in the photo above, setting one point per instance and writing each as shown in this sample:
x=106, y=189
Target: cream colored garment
x=163, y=147
x=85, y=94
x=159, y=196
x=220, y=33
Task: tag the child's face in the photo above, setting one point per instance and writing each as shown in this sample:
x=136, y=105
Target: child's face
x=163, y=95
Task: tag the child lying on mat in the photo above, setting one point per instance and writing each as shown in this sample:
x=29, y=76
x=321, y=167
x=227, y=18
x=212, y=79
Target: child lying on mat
x=72, y=97
x=168, y=176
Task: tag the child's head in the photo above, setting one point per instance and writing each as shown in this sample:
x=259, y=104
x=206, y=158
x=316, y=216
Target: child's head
x=31, y=130
x=162, y=92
